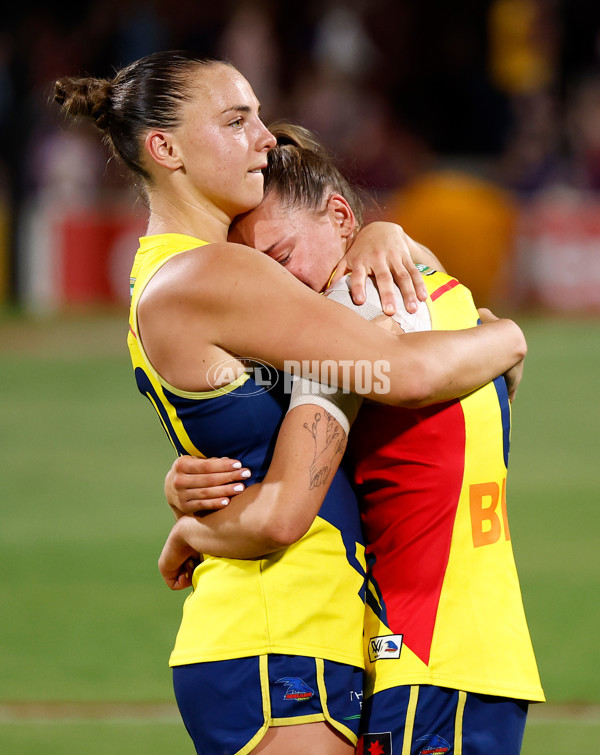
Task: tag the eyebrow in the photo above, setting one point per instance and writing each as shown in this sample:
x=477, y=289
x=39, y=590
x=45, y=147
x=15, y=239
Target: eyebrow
x=240, y=109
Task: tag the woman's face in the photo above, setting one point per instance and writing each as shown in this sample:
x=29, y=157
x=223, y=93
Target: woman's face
x=308, y=244
x=222, y=142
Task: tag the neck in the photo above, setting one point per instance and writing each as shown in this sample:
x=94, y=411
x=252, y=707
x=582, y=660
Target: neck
x=168, y=216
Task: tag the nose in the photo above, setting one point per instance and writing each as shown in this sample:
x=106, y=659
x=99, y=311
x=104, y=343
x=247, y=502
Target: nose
x=266, y=139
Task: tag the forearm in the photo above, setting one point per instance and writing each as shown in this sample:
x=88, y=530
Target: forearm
x=470, y=359
x=235, y=532
x=272, y=514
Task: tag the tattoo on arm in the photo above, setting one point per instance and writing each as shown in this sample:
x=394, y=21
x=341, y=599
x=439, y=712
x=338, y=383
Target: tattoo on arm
x=329, y=440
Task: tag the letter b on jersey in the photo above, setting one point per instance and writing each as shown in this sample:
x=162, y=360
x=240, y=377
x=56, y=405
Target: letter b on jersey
x=486, y=521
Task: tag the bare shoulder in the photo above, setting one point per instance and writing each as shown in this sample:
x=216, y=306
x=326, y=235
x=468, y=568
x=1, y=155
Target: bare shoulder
x=206, y=272
x=203, y=274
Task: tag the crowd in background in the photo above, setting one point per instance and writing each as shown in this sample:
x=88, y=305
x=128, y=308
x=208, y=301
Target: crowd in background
x=507, y=92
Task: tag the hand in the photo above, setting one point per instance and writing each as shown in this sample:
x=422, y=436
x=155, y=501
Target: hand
x=384, y=250
x=513, y=378
x=177, y=561
x=195, y=486
x=515, y=373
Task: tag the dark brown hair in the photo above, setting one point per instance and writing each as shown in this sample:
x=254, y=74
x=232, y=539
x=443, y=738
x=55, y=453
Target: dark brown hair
x=303, y=173
x=144, y=95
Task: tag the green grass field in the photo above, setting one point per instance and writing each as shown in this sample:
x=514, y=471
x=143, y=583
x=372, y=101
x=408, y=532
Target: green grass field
x=86, y=618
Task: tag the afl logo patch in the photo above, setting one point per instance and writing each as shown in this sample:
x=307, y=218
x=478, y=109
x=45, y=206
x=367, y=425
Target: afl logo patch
x=388, y=646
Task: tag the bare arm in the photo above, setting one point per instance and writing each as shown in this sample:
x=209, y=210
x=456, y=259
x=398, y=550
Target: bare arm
x=270, y=316
x=269, y=515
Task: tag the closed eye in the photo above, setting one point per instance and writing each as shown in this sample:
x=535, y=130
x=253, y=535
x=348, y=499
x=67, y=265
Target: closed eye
x=282, y=256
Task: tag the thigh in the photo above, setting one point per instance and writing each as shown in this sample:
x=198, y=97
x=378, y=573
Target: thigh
x=428, y=719
x=229, y=707
x=301, y=739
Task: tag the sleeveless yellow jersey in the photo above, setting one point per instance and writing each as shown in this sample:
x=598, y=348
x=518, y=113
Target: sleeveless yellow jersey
x=307, y=599
x=444, y=605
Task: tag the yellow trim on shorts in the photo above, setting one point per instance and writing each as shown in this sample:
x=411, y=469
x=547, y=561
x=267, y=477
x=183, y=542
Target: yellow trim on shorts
x=411, y=712
x=311, y=718
x=263, y=670
x=342, y=728
x=268, y=721
x=458, y=723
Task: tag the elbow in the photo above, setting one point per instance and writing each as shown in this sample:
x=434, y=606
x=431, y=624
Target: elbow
x=418, y=390
x=519, y=343
x=282, y=532
x=522, y=347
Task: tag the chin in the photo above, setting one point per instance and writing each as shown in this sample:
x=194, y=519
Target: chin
x=250, y=201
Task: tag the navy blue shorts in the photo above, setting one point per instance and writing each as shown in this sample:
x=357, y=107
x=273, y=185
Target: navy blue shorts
x=227, y=706
x=427, y=720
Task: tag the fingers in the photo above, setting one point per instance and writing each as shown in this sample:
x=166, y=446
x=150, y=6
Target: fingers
x=196, y=485
x=205, y=486
x=211, y=465
x=358, y=279
x=418, y=284
x=339, y=272
x=401, y=273
x=485, y=315
x=385, y=285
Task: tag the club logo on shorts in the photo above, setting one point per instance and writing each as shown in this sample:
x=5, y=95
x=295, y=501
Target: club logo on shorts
x=433, y=745
x=297, y=689
x=388, y=646
x=375, y=744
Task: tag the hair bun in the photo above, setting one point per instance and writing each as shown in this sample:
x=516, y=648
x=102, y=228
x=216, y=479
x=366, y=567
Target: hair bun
x=85, y=97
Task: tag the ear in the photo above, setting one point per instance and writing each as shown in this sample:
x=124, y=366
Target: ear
x=162, y=149
x=341, y=214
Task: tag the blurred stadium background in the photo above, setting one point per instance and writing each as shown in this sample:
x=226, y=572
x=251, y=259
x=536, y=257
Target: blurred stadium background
x=474, y=124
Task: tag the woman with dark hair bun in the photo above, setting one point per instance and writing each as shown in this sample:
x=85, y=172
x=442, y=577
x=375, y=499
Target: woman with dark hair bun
x=268, y=656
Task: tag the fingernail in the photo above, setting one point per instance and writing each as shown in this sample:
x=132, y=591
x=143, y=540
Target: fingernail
x=238, y=488
x=236, y=464
x=246, y=473
x=224, y=502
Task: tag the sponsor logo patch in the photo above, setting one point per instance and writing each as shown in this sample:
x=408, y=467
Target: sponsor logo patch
x=432, y=744
x=297, y=689
x=388, y=646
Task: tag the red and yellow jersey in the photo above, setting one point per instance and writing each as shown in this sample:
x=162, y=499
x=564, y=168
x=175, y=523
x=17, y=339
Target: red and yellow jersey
x=307, y=599
x=444, y=605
